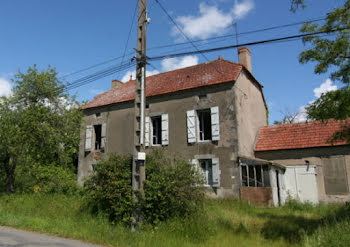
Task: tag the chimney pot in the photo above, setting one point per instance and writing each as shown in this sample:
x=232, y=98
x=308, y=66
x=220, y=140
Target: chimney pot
x=244, y=58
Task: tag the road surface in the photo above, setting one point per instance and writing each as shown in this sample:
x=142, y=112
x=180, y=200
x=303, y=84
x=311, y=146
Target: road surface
x=10, y=237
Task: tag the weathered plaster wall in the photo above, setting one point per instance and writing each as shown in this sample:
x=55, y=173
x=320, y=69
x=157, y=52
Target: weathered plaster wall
x=119, y=119
x=251, y=114
x=314, y=156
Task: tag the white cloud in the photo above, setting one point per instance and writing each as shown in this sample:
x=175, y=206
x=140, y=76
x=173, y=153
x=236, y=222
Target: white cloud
x=240, y=10
x=167, y=65
x=5, y=87
x=325, y=87
x=177, y=63
x=126, y=77
x=211, y=20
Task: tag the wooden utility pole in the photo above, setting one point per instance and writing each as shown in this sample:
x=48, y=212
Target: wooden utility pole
x=139, y=166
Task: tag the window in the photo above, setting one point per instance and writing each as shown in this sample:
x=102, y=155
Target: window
x=255, y=175
x=209, y=168
x=203, y=125
x=157, y=130
x=98, y=136
x=95, y=137
x=207, y=171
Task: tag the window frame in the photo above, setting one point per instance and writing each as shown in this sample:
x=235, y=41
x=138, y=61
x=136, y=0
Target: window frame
x=200, y=122
x=151, y=132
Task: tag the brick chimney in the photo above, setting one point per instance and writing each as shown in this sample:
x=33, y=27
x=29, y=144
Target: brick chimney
x=116, y=83
x=244, y=58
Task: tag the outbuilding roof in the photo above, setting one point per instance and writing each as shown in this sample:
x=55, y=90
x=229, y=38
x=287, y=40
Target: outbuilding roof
x=300, y=135
x=211, y=73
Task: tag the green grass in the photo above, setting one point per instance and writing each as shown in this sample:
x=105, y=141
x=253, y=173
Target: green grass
x=221, y=223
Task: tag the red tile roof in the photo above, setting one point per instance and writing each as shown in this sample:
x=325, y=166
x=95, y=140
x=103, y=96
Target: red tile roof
x=299, y=135
x=214, y=72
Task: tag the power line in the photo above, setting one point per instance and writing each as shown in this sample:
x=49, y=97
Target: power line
x=220, y=38
x=127, y=41
x=239, y=34
x=245, y=44
x=177, y=26
x=98, y=75
x=113, y=69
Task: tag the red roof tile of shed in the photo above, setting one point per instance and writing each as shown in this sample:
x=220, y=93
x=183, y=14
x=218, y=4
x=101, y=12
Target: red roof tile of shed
x=214, y=72
x=299, y=135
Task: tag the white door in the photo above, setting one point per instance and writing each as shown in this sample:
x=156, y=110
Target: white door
x=306, y=184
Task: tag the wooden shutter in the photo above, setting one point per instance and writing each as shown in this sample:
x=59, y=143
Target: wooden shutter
x=215, y=124
x=165, y=129
x=216, y=172
x=103, y=135
x=147, y=132
x=88, y=138
x=191, y=126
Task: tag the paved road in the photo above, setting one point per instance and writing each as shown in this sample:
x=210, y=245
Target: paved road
x=10, y=237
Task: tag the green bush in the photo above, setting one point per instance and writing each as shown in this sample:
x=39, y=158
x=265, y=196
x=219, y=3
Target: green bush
x=46, y=179
x=172, y=189
x=109, y=189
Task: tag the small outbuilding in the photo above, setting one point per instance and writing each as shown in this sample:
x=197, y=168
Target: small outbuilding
x=317, y=167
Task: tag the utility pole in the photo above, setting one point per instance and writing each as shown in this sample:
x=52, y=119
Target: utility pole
x=139, y=158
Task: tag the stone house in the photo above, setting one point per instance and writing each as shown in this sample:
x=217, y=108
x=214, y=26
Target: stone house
x=315, y=168
x=209, y=113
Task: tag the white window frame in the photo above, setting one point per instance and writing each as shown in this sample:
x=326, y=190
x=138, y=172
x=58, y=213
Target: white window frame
x=193, y=128
x=164, y=132
x=213, y=162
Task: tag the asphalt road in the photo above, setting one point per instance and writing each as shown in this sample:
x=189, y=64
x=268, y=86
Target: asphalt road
x=10, y=237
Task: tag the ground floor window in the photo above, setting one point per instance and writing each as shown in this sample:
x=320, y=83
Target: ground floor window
x=255, y=175
x=207, y=171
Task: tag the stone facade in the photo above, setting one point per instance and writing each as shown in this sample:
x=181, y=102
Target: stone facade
x=236, y=104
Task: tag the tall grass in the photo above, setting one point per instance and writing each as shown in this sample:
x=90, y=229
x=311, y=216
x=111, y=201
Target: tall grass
x=220, y=223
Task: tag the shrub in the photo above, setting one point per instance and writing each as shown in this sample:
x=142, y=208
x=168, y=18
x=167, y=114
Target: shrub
x=46, y=179
x=109, y=189
x=172, y=189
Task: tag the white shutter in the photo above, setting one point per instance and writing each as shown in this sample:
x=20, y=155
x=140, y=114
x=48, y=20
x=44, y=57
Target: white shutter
x=165, y=129
x=88, y=138
x=215, y=124
x=191, y=126
x=103, y=135
x=147, y=133
x=216, y=172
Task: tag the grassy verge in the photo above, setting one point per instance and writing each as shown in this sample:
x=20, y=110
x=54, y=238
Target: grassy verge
x=221, y=223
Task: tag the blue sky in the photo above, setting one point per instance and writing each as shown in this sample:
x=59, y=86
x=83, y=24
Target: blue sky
x=71, y=35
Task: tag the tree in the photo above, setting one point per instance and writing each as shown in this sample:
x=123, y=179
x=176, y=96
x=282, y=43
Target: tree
x=289, y=116
x=39, y=124
x=330, y=54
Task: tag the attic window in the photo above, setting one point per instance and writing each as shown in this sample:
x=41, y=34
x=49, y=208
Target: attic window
x=202, y=97
x=98, y=114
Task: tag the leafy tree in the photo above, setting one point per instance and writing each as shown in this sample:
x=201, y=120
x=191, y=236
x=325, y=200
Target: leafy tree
x=39, y=124
x=331, y=53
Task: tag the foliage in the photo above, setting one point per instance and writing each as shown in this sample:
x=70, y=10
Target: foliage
x=335, y=104
x=46, y=179
x=39, y=124
x=296, y=4
x=221, y=223
x=172, y=189
x=331, y=53
x=109, y=189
